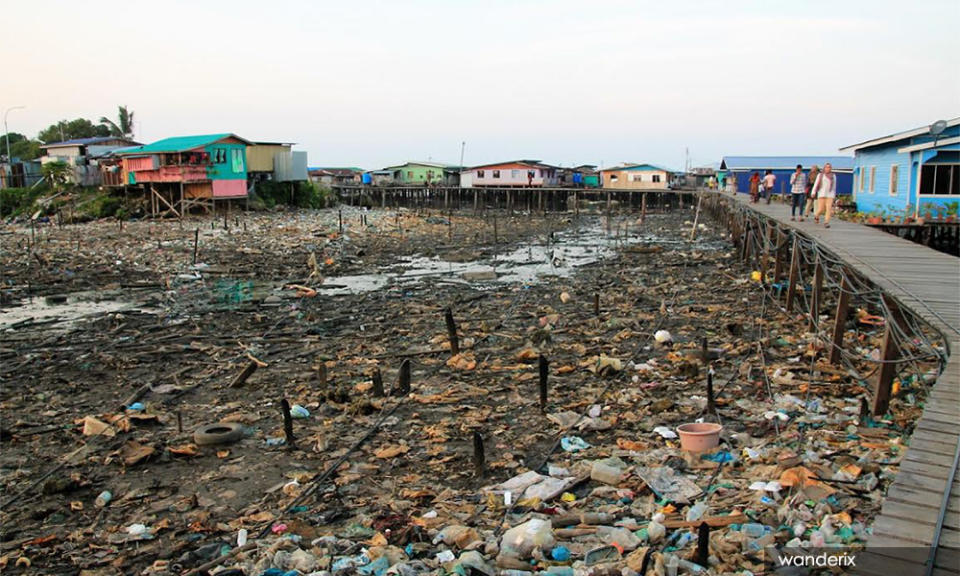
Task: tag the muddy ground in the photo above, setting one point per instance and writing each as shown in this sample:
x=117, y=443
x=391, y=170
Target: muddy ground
x=98, y=316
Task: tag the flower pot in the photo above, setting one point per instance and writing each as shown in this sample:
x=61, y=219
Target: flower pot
x=699, y=436
x=874, y=220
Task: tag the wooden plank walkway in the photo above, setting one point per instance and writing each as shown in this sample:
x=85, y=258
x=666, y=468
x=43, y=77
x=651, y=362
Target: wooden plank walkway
x=927, y=282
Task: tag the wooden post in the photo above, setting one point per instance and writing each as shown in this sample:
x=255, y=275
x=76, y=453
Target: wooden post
x=377, y=389
x=596, y=304
x=817, y=294
x=643, y=207
x=843, y=307
x=196, y=244
x=287, y=423
x=778, y=262
x=889, y=354
x=452, y=331
x=403, y=379
x=544, y=373
x=478, y=456
x=711, y=403
x=765, y=259
x=794, y=271
x=340, y=217
x=703, y=544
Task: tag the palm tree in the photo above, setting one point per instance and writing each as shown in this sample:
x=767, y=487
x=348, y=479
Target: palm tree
x=123, y=128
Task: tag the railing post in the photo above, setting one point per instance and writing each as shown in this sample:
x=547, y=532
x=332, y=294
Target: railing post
x=843, y=307
x=794, y=272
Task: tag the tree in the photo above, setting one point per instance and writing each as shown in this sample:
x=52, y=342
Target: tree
x=68, y=130
x=57, y=173
x=123, y=128
x=20, y=147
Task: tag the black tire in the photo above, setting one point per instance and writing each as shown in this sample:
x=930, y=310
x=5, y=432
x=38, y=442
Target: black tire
x=219, y=433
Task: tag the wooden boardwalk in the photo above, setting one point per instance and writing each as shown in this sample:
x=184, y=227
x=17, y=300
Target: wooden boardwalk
x=928, y=282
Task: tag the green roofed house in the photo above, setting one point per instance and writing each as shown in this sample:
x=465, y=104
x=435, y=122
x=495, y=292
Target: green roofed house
x=187, y=171
x=425, y=173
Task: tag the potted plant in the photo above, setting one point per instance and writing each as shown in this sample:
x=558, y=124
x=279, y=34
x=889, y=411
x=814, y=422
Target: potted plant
x=927, y=209
x=875, y=217
x=952, y=208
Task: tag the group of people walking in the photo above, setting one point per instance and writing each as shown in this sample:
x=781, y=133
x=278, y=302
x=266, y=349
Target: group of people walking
x=809, y=193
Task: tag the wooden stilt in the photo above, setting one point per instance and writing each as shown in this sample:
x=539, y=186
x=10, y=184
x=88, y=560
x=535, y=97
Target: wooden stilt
x=794, y=272
x=843, y=307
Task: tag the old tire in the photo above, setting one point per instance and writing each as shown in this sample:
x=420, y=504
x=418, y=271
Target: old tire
x=219, y=433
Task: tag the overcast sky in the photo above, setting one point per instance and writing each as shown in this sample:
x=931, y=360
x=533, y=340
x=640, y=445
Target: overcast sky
x=366, y=83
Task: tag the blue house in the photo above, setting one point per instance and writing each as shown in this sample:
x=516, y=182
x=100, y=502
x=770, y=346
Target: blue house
x=902, y=172
x=740, y=168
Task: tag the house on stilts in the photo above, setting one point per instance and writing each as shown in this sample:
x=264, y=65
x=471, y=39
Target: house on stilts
x=182, y=172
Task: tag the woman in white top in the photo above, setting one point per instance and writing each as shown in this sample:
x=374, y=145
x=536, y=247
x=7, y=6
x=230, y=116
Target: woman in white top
x=825, y=190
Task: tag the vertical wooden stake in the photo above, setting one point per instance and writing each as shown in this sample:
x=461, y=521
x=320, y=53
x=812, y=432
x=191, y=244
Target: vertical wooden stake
x=179, y=422
x=596, y=303
x=889, y=354
x=340, y=218
x=817, y=294
x=322, y=372
x=794, y=272
x=711, y=403
x=778, y=262
x=287, y=423
x=196, y=244
x=452, y=331
x=643, y=207
x=703, y=544
x=403, y=380
x=377, y=384
x=495, y=240
x=478, y=456
x=544, y=373
x=840, y=320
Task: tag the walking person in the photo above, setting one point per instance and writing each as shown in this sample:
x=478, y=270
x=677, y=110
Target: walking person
x=769, y=184
x=811, y=201
x=798, y=192
x=825, y=190
x=755, y=187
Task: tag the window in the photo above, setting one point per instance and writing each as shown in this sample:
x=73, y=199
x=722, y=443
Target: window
x=496, y=173
x=873, y=176
x=613, y=177
x=940, y=179
x=236, y=160
x=656, y=177
x=894, y=172
x=479, y=173
x=514, y=174
x=409, y=174
x=636, y=177
x=860, y=178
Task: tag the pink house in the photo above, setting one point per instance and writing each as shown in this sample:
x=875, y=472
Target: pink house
x=514, y=174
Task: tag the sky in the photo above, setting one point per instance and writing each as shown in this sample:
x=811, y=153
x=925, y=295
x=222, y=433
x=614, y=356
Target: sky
x=371, y=84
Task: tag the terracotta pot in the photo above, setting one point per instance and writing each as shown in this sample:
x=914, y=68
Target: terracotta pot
x=699, y=437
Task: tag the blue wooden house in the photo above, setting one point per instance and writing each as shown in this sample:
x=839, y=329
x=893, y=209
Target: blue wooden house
x=740, y=168
x=906, y=171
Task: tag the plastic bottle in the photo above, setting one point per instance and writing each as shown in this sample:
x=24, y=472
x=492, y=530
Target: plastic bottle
x=690, y=567
x=242, y=537
x=753, y=530
x=103, y=499
x=673, y=563
x=697, y=511
x=656, y=530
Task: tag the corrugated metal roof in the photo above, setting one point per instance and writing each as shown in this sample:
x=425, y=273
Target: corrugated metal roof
x=896, y=137
x=636, y=167
x=87, y=141
x=178, y=144
x=784, y=162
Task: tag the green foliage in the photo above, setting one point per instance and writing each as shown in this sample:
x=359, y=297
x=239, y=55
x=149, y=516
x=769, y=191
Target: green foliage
x=123, y=127
x=304, y=194
x=68, y=130
x=26, y=150
x=952, y=207
x=17, y=201
x=56, y=173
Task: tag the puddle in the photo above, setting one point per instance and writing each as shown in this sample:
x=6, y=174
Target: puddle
x=61, y=310
x=569, y=250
